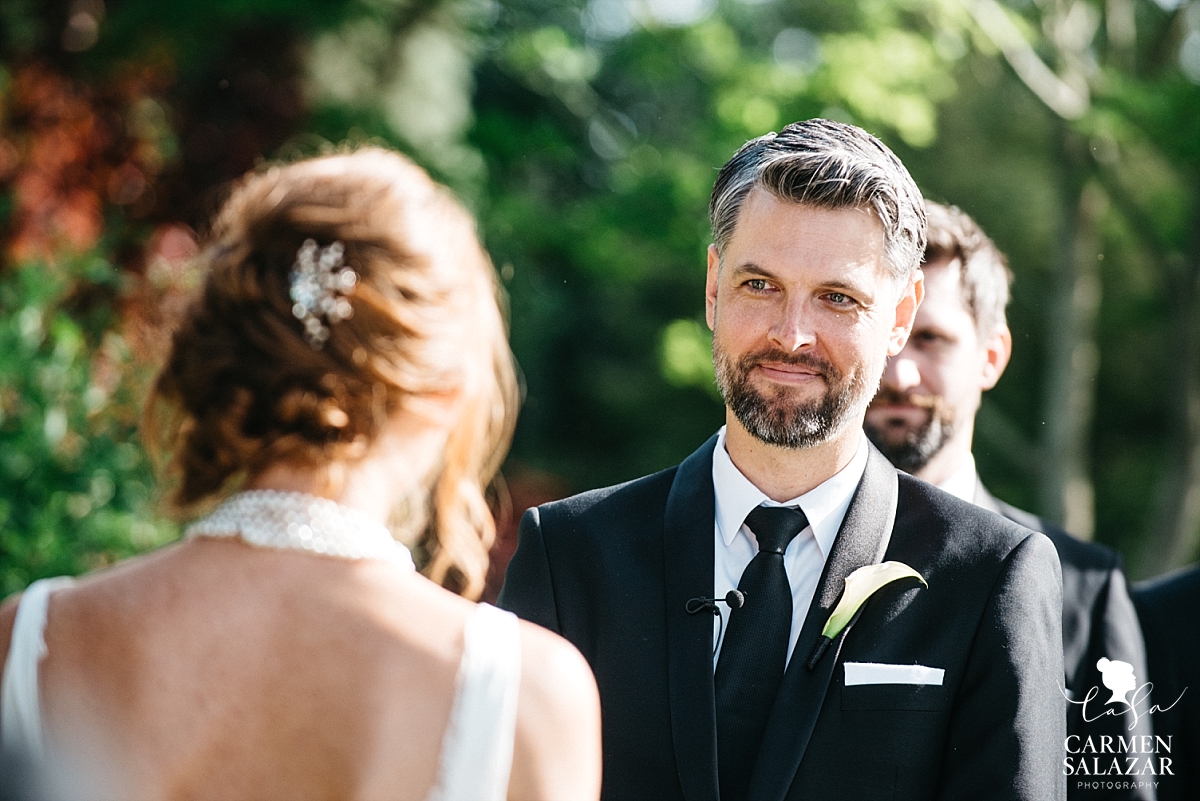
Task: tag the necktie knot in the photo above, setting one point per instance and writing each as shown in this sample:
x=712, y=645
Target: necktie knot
x=775, y=526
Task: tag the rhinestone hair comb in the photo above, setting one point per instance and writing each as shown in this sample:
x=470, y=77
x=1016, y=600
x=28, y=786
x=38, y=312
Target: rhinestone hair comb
x=320, y=282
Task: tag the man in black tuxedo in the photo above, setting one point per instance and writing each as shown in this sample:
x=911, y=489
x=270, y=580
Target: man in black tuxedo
x=923, y=420
x=1169, y=609
x=942, y=688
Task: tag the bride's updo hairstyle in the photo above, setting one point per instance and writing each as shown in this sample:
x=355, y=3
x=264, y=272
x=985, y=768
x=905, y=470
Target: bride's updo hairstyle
x=247, y=386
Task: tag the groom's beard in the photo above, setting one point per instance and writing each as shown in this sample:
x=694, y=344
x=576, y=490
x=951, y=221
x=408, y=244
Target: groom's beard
x=777, y=418
x=910, y=449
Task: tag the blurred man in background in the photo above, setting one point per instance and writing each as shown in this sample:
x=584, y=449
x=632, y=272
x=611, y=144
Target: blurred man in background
x=1169, y=610
x=923, y=419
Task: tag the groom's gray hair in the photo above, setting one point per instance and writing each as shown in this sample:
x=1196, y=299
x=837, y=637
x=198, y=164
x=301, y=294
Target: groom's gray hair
x=829, y=165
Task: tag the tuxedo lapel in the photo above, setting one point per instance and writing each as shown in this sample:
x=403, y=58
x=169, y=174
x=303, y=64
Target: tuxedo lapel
x=862, y=540
x=688, y=530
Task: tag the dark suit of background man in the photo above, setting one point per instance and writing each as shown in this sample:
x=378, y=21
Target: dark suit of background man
x=1169, y=608
x=949, y=691
x=923, y=419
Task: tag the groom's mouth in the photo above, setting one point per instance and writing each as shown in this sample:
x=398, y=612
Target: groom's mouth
x=783, y=373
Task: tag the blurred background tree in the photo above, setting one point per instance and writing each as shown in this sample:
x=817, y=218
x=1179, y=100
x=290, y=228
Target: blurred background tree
x=586, y=136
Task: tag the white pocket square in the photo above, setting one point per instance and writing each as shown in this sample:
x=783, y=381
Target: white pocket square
x=878, y=673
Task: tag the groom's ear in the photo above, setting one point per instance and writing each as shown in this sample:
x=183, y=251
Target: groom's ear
x=710, y=286
x=907, y=303
x=997, y=350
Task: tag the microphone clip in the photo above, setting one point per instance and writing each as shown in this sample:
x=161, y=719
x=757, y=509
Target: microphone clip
x=734, y=599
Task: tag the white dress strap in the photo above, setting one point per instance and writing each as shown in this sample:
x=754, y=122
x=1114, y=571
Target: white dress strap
x=20, y=709
x=477, y=747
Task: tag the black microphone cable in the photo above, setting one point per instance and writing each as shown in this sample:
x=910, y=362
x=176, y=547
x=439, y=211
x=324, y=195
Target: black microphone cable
x=734, y=599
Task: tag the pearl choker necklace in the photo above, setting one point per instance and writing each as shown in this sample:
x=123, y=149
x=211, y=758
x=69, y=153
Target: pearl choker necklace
x=295, y=520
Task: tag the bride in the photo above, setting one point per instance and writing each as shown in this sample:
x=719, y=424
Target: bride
x=343, y=368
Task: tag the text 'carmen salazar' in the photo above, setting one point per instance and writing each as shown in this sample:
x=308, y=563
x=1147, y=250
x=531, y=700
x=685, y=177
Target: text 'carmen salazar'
x=1117, y=756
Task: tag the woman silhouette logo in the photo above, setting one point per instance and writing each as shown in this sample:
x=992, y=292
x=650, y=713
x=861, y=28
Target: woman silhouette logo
x=1118, y=677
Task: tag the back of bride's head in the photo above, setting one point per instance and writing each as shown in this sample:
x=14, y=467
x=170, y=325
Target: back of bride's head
x=340, y=291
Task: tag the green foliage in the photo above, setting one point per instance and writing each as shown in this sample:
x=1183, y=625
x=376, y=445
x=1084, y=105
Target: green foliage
x=76, y=492
x=895, y=78
x=586, y=135
x=686, y=356
x=601, y=145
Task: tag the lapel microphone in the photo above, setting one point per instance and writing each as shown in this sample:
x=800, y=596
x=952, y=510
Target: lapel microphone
x=734, y=599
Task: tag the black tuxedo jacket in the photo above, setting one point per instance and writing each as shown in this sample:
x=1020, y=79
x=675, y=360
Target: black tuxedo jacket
x=1099, y=620
x=612, y=571
x=1169, y=608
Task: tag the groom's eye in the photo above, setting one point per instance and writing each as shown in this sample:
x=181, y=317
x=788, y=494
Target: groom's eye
x=756, y=285
x=839, y=298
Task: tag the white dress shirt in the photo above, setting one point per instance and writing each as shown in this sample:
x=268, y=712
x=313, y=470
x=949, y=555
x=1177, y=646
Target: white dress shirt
x=963, y=481
x=825, y=507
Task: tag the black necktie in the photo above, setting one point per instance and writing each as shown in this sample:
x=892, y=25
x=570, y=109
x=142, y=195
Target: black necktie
x=753, y=655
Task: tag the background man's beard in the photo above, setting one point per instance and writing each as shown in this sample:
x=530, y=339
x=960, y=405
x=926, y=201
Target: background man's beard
x=779, y=420
x=912, y=452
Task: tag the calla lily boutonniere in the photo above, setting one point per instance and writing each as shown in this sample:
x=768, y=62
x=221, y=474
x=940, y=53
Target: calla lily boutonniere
x=860, y=585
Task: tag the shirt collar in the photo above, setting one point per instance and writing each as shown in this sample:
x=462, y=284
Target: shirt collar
x=963, y=481
x=825, y=505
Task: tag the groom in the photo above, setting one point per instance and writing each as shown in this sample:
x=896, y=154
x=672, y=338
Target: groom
x=944, y=687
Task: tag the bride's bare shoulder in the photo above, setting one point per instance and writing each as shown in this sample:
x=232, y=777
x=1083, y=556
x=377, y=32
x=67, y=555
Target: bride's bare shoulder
x=557, y=747
x=550, y=662
x=72, y=600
